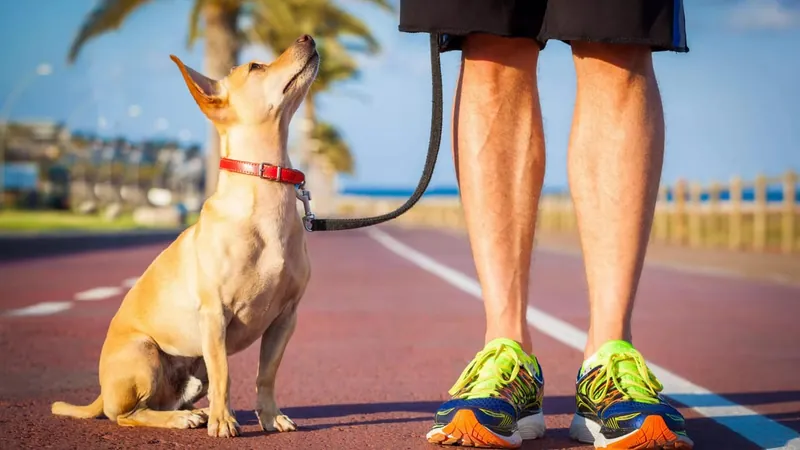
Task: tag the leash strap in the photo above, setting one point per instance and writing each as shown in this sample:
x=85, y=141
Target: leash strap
x=314, y=224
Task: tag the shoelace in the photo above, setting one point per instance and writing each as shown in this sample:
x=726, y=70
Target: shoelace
x=637, y=383
x=480, y=379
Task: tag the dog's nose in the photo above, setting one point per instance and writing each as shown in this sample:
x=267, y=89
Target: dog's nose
x=304, y=38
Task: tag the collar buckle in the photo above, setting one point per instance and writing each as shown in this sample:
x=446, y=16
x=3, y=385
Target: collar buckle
x=262, y=172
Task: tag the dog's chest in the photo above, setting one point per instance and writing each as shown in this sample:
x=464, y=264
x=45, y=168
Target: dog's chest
x=274, y=282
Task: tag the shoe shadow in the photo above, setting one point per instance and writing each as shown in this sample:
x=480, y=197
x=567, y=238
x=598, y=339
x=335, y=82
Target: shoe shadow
x=705, y=432
x=357, y=414
x=552, y=405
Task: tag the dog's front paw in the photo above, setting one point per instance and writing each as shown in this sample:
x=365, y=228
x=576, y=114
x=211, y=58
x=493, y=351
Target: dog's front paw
x=276, y=422
x=223, y=425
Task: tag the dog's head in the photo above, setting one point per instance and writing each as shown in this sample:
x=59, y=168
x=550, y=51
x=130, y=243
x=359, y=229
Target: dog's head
x=256, y=93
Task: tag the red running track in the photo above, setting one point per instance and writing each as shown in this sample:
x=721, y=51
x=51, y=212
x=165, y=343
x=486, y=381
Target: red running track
x=380, y=340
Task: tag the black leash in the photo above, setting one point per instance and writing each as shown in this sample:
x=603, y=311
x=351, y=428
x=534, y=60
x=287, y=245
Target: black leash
x=313, y=224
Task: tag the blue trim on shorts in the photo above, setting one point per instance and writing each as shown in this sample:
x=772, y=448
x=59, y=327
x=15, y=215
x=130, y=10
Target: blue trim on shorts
x=678, y=25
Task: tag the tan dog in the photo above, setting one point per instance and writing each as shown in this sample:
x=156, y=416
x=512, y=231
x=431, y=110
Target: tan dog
x=232, y=278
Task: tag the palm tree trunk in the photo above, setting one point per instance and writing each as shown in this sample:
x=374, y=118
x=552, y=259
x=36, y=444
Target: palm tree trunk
x=221, y=54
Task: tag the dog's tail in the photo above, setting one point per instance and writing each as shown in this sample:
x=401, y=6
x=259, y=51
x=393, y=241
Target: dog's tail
x=79, y=412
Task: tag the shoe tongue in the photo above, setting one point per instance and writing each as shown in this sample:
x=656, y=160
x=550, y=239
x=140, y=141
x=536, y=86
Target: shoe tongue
x=499, y=360
x=601, y=356
x=495, y=343
x=623, y=368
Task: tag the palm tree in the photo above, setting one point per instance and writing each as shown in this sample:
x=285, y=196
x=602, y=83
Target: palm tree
x=218, y=22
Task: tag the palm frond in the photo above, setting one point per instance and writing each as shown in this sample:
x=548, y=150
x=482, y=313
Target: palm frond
x=322, y=19
x=194, y=22
x=108, y=15
x=271, y=24
x=337, y=22
x=387, y=5
x=333, y=147
x=336, y=65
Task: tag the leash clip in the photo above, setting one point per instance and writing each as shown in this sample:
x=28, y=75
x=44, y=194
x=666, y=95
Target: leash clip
x=305, y=196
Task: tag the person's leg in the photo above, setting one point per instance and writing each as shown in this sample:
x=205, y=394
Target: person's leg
x=499, y=153
x=615, y=157
x=614, y=162
x=498, y=147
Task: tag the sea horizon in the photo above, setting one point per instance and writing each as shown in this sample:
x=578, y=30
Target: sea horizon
x=774, y=193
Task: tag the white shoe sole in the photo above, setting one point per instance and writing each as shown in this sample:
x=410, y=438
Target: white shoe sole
x=656, y=433
x=532, y=427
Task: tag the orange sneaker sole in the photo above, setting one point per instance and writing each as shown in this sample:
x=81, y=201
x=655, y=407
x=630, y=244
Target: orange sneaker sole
x=466, y=431
x=654, y=434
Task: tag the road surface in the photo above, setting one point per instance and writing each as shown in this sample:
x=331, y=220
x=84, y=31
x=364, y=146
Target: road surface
x=390, y=319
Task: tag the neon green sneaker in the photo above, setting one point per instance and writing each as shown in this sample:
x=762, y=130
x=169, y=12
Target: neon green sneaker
x=619, y=405
x=497, y=401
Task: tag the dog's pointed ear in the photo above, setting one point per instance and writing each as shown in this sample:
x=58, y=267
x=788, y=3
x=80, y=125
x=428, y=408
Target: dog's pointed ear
x=208, y=93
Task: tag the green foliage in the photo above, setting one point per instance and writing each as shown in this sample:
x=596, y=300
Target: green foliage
x=333, y=147
x=107, y=15
x=41, y=221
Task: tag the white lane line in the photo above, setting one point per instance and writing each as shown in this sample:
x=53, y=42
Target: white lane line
x=98, y=293
x=94, y=294
x=128, y=283
x=40, y=309
x=748, y=423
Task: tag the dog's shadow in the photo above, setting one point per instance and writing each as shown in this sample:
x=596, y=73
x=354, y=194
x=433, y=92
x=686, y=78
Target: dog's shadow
x=425, y=410
x=420, y=411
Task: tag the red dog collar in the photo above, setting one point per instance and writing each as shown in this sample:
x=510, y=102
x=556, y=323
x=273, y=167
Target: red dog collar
x=264, y=170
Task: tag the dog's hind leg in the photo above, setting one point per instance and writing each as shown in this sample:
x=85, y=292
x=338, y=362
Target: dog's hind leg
x=133, y=389
x=195, y=389
x=181, y=419
x=273, y=344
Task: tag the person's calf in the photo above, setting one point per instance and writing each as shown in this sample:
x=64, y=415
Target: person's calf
x=499, y=149
x=615, y=159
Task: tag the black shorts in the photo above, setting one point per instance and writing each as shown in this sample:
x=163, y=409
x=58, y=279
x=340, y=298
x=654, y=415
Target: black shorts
x=657, y=23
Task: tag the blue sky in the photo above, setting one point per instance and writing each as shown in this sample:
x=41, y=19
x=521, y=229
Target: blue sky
x=732, y=104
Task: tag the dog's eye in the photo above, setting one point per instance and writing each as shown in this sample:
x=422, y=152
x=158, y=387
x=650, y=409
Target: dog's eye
x=256, y=66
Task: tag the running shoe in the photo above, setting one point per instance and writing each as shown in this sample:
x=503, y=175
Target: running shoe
x=619, y=405
x=496, y=402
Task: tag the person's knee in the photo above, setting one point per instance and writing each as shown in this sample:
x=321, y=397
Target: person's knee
x=496, y=60
x=612, y=62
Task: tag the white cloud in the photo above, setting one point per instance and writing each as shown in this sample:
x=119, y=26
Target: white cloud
x=764, y=14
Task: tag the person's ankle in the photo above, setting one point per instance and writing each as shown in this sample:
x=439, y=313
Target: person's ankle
x=597, y=340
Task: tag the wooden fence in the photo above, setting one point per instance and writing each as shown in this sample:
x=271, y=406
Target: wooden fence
x=762, y=215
